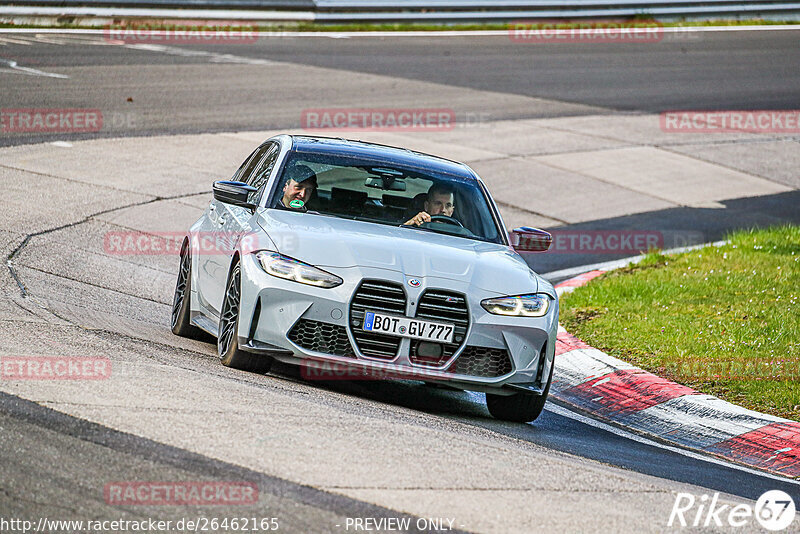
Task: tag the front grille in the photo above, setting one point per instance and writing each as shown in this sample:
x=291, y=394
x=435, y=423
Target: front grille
x=322, y=337
x=442, y=306
x=381, y=297
x=482, y=361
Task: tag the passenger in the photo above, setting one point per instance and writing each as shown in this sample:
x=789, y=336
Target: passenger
x=298, y=188
x=439, y=201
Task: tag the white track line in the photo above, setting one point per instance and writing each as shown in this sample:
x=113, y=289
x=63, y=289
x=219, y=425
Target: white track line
x=560, y=410
x=9, y=40
x=212, y=56
x=569, y=414
x=16, y=69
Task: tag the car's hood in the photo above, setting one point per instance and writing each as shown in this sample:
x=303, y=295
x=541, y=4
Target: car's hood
x=333, y=242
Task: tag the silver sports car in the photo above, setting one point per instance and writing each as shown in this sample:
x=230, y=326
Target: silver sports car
x=356, y=260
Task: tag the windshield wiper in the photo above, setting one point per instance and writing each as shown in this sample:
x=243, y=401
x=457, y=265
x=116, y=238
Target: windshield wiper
x=473, y=236
x=415, y=227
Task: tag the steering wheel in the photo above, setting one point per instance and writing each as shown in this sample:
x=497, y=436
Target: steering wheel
x=446, y=219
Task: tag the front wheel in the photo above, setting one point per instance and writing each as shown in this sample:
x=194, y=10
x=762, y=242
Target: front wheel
x=228, y=340
x=519, y=407
x=181, y=302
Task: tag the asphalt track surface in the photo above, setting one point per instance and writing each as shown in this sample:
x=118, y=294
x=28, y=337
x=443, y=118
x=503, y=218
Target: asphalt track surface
x=52, y=462
x=717, y=71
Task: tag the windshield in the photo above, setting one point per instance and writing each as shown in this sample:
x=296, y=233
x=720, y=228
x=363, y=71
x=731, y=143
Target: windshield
x=381, y=193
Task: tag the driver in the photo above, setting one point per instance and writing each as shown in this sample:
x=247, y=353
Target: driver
x=440, y=201
x=298, y=188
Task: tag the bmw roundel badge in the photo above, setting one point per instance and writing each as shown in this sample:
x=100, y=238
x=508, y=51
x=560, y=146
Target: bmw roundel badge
x=414, y=282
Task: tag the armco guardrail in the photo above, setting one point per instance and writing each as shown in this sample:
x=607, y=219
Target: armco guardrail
x=450, y=11
x=513, y=10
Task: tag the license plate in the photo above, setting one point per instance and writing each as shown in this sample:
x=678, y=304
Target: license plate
x=407, y=327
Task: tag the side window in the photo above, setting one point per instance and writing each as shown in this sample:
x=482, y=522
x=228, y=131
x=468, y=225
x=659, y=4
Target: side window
x=237, y=175
x=243, y=174
x=258, y=179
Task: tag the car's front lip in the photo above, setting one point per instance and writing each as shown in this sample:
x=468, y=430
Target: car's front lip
x=327, y=367
x=290, y=301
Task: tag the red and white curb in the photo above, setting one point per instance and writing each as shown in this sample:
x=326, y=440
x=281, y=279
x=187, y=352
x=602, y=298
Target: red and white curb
x=592, y=381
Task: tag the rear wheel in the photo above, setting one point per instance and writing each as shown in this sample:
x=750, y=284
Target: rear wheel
x=228, y=341
x=181, y=302
x=519, y=407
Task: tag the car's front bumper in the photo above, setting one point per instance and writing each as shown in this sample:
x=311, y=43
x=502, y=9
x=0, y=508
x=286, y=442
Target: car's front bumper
x=271, y=307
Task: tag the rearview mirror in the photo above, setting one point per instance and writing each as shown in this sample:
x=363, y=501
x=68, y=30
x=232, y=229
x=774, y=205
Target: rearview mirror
x=387, y=183
x=527, y=239
x=235, y=193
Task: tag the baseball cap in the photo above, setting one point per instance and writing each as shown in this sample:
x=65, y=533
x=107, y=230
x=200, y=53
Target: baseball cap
x=302, y=173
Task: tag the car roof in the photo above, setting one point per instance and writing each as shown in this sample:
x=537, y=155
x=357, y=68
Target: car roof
x=389, y=154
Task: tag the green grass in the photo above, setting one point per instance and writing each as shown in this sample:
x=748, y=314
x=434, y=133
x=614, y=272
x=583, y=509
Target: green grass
x=67, y=23
x=723, y=320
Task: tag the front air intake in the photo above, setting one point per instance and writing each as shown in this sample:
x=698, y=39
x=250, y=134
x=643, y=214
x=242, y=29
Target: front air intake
x=321, y=337
x=482, y=361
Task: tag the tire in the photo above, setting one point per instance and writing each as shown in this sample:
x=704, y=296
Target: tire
x=227, y=341
x=181, y=302
x=519, y=407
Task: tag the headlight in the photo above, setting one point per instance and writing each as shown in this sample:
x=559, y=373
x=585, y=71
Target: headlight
x=297, y=271
x=519, y=306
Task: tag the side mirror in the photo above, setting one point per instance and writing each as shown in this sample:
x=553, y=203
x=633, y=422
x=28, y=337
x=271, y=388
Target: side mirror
x=234, y=193
x=526, y=239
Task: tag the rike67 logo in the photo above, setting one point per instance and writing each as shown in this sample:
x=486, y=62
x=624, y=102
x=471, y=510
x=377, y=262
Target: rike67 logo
x=774, y=511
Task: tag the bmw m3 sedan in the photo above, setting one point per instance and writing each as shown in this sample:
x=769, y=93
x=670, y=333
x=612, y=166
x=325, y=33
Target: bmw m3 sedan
x=353, y=260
